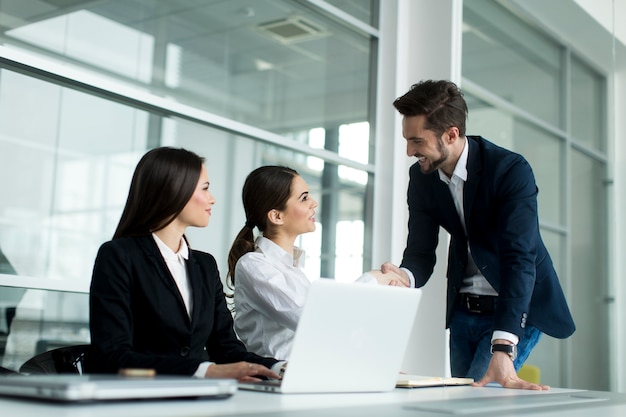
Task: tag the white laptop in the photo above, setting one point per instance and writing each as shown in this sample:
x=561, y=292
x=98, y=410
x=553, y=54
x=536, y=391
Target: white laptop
x=83, y=388
x=351, y=337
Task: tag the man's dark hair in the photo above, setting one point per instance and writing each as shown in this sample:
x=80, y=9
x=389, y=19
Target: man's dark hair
x=441, y=102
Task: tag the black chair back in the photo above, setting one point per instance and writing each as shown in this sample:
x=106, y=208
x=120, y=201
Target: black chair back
x=63, y=360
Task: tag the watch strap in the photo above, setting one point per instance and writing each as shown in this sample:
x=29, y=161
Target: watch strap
x=508, y=349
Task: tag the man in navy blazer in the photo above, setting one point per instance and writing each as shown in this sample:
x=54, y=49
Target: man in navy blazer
x=503, y=291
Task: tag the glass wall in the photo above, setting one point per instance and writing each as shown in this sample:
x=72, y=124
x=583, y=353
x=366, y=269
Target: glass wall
x=86, y=90
x=535, y=96
x=512, y=60
x=276, y=65
x=588, y=107
x=589, y=260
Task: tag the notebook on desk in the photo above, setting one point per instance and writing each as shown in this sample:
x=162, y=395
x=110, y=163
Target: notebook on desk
x=84, y=388
x=350, y=338
x=420, y=381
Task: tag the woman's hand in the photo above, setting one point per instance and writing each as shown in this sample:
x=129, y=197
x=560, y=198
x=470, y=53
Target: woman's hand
x=241, y=371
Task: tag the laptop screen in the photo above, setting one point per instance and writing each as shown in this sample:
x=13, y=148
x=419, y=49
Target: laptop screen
x=351, y=337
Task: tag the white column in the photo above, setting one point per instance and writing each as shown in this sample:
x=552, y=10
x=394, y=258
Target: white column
x=419, y=39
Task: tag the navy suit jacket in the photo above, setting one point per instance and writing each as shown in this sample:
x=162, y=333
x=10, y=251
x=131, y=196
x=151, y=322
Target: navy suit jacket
x=500, y=205
x=138, y=318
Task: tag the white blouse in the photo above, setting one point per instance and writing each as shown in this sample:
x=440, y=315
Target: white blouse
x=270, y=291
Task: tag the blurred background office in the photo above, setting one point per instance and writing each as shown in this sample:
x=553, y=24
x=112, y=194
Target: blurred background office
x=87, y=86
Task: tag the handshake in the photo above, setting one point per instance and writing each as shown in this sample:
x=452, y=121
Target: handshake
x=390, y=274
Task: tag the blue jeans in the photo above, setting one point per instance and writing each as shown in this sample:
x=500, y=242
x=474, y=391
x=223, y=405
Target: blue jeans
x=470, y=344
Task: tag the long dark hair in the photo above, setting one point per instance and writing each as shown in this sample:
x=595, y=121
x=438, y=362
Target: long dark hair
x=164, y=180
x=441, y=102
x=266, y=188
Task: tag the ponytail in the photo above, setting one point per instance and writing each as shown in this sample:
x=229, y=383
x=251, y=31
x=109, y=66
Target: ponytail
x=243, y=243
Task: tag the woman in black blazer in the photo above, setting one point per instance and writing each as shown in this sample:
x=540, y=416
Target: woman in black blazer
x=154, y=302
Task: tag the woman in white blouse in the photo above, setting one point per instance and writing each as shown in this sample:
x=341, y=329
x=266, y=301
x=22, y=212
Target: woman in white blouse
x=269, y=284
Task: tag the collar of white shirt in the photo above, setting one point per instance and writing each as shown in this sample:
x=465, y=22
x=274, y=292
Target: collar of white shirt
x=273, y=251
x=169, y=254
x=460, y=169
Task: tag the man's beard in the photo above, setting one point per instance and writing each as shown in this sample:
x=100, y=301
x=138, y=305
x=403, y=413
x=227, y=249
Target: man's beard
x=434, y=165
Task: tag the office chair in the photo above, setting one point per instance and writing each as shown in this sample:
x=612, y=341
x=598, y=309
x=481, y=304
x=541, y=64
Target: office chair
x=6, y=371
x=63, y=360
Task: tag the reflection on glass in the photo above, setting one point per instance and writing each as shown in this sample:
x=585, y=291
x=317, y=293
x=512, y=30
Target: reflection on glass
x=5, y=265
x=69, y=174
x=36, y=321
x=77, y=178
x=349, y=260
x=277, y=65
x=361, y=9
x=511, y=59
x=587, y=106
x=232, y=58
x=354, y=144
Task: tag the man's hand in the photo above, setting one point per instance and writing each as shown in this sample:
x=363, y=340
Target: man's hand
x=502, y=371
x=389, y=268
x=389, y=278
x=242, y=371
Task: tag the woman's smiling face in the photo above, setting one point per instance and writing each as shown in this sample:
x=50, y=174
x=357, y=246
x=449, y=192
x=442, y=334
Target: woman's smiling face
x=299, y=215
x=197, y=211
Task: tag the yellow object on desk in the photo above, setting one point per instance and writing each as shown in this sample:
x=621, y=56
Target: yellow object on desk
x=530, y=373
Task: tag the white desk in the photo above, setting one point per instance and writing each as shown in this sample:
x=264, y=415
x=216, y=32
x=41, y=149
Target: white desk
x=400, y=402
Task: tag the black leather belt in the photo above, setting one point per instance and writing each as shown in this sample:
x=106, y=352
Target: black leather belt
x=478, y=304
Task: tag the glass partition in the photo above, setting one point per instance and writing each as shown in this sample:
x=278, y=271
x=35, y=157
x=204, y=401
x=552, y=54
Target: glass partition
x=35, y=321
x=512, y=60
x=546, y=155
x=78, y=179
x=589, y=269
x=361, y=9
x=277, y=65
x=588, y=106
x=251, y=85
x=69, y=174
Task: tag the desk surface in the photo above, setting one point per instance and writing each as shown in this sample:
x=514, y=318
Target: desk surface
x=440, y=401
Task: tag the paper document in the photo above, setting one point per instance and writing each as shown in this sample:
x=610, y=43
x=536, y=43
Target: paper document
x=416, y=381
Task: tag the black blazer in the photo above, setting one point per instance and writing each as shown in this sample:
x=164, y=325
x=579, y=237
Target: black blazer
x=138, y=318
x=500, y=207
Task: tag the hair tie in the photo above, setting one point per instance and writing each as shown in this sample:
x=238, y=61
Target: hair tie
x=249, y=224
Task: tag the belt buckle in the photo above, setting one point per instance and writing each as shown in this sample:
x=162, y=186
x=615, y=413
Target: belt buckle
x=472, y=307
